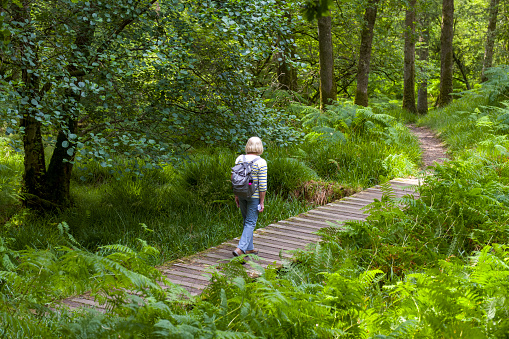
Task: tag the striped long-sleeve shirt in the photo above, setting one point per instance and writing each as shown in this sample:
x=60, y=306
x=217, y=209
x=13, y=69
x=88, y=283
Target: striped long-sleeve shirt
x=259, y=172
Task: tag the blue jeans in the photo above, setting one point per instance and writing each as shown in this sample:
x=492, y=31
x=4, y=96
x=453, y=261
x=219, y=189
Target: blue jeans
x=249, y=210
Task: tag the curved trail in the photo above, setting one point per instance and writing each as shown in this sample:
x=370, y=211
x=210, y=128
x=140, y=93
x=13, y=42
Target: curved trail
x=433, y=149
x=276, y=240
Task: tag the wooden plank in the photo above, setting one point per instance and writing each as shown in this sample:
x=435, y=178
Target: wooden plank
x=273, y=241
x=219, y=257
x=297, y=223
x=276, y=244
x=294, y=236
x=343, y=211
x=336, y=216
x=319, y=215
x=191, y=282
x=192, y=267
x=397, y=191
x=88, y=302
x=345, y=205
x=376, y=192
x=395, y=188
x=352, y=201
x=206, y=261
x=368, y=196
x=347, y=208
x=326, y=220
x=264, y=251
x=185, y=282
x=296, y=229
x=359, y=201
x=197, y=275
x=302, y=218
x=284, y=241
x=291, y=235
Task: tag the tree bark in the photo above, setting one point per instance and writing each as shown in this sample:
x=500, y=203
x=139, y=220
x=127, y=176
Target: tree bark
x=446, y=53
x=423, y=53
x=490, y=39
x=461, y=66
x=327, y=81
x=361, y=95
x=58, y=179
x=286, y=73
x=409, y=66
x=34, y=161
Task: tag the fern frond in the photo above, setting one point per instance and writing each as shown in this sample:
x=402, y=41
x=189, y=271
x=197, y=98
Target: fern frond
x=11, y=327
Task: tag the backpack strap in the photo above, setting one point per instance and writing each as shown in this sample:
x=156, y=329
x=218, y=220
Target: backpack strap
x=254, y=160
x=250, y=162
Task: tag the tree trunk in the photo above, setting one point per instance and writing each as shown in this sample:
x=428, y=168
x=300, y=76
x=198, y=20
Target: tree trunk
x=58, y=176
x=461, y=66
x=46, y=189
x=409, y=67
x=327, y=81
x=361, y=95
x=490, y=39
x=423, y=53
x=32, y=187
x=60, y=167
x=286, y=73
x=446, y=55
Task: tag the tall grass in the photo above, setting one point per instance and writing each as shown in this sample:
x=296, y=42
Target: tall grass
x=10, y=178
x=457, y=123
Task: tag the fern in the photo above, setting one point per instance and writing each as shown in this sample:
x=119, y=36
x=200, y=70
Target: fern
x=22, y=326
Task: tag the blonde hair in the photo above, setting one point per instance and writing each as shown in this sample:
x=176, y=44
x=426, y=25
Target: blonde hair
x=254, y=146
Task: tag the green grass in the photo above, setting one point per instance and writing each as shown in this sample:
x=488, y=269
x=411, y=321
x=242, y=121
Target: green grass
x=11, y=167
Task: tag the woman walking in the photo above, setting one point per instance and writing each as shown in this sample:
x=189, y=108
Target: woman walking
x=251, y=206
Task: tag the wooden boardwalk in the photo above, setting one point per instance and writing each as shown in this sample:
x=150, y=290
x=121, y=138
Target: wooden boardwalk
x=273, y=242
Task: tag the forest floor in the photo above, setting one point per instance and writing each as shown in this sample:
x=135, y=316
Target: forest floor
x=433, y=149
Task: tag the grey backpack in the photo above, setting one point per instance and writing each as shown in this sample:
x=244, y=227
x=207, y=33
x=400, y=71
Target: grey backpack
x=244, y=186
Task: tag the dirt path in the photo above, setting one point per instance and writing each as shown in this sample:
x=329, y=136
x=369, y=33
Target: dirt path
x=433, y=150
